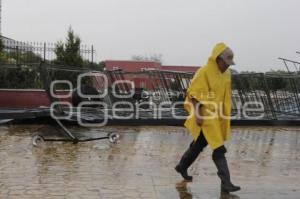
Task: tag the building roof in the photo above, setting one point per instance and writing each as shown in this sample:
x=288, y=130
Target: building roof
x=181, y=68
x=131, y=66
x=137, y=66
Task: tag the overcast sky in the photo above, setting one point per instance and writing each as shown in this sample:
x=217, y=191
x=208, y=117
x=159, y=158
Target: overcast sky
x=183, y=31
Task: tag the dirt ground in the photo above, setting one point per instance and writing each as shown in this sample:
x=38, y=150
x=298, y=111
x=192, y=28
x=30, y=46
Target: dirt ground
x=264, y=161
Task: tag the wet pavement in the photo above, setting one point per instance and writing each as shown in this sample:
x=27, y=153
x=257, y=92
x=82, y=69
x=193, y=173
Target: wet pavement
x=264, y=161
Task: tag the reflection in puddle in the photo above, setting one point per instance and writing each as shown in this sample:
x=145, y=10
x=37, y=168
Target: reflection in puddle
x=228, y=196
x=182, y=190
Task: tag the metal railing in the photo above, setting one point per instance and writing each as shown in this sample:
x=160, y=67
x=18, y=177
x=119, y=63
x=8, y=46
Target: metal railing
x=25, y=53
x=277, y=94
x=290, y=65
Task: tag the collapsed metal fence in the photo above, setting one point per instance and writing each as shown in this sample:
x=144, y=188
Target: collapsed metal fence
x=265, y=96
x=291, y=65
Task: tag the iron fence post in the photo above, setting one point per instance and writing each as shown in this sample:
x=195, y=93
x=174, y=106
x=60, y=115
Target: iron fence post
x=45, y=52
x=17, y=55
x=92, y=54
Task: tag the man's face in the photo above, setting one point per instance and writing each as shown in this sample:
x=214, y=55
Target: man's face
x=225, y=59
x=222, y=65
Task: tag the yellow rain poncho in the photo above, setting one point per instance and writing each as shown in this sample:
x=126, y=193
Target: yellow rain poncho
x=212, y=88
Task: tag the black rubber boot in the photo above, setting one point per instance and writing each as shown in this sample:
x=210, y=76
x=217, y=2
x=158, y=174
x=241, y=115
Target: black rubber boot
x=190, y=156
x=186, y=161
x=183, y=173
x=224, y=175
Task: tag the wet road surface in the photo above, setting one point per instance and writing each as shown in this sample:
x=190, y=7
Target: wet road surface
x=264, y=161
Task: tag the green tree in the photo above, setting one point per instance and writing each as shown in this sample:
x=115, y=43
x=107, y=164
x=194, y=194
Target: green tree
x=68, y=53
x=2, y=56
x=95, y=66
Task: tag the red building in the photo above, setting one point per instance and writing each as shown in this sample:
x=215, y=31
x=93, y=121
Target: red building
x=141, y=80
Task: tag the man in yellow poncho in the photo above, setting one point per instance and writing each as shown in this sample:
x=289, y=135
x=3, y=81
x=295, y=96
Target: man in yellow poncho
x=208, y=103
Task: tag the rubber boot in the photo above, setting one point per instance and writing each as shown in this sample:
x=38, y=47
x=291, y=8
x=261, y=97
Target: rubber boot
x=224, y=175
x=186, y=161
x=184, y=173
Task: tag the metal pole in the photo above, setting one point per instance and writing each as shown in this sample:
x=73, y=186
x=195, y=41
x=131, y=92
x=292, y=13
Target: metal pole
x=286, y=66
x=44, y=51
x=17, y=55
x=92, y=53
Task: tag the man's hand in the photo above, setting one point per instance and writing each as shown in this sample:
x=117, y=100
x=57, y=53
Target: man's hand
x=197, y=107
x=199, y=120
